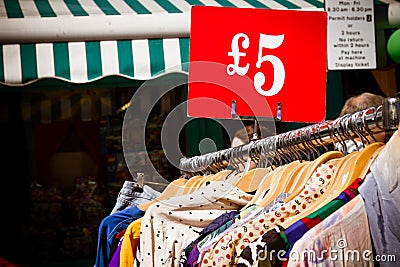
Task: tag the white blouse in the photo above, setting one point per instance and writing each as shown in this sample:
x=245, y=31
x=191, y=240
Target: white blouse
x=169, y=226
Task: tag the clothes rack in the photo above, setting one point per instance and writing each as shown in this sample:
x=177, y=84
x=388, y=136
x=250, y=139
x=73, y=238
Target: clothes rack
x=360, y=124
x=228, y=218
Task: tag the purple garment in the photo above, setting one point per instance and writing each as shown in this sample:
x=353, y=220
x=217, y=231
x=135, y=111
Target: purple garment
x=218, y=222
x=192, y=252
x=115, y=258
x=193, y=256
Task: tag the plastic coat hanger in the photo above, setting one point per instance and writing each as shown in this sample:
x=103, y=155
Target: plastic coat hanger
x=237, y=161
x=306, y=172
x=171, y=190
x=193, y=184
x=357, y=165
x=208, y=168
x=371, y=160
x=337, y=162
x=348, y=168
x=187, y=188
x=222, y=162
x=293, y=176
x=251, y=181
x=265, y=185
x=279, y=184
x=266, y=181
x=217, y=165
x=219, y=176
x=336, y=132
x=342, y=164
x=177, y=187
x=345, y=175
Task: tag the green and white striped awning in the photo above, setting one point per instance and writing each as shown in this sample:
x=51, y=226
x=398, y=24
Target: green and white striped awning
x=83, y=40
x=81, y=62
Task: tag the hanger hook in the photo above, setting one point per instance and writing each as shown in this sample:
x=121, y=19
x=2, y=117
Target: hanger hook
x=233, y=158
x=308, y=149
x=269, y=150
x=241, y=155
x=304, y=142
x=341, y=132
x=263, y=154
x=277, y=157
x=254, y=153
x=365, y=123
x=331, y=132
x=345, y=126
x=280, y=147
x=296, y=140
x=285, y=147
x=314, y=153
x=308, y=135
x=312, y=136
x=266, y=152
x=318, y=131
x=289, y=147
x=358, y=127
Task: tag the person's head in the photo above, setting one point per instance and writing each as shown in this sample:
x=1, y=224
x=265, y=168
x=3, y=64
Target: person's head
x=244, y=135
x=361, y=102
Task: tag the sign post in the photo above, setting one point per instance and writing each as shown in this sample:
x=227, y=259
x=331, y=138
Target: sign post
x=270, y=63
x=351, y=34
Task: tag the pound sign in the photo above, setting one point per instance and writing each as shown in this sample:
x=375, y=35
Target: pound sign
x=236, y=54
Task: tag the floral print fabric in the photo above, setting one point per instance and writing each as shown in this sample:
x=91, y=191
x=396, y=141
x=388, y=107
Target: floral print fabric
x=224, y=251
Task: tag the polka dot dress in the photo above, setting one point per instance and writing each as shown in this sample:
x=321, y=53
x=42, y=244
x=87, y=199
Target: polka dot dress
x=169, y=226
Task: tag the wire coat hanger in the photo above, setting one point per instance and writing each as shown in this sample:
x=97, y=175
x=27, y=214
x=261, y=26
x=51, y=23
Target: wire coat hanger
x=291, y=144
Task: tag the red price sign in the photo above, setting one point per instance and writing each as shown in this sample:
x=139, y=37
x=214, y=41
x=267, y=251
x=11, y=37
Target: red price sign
x=269, y=63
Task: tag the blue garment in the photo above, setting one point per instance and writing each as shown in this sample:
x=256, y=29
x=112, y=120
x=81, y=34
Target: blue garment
x=109, y=227
x=131, y=194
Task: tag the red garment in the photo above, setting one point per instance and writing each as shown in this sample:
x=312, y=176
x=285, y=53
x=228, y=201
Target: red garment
x=120, y=234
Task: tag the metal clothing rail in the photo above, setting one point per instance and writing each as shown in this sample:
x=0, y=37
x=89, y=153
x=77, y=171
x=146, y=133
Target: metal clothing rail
x=302, y=141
